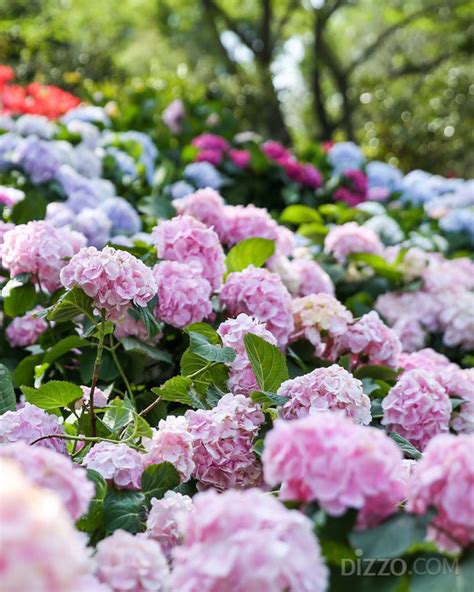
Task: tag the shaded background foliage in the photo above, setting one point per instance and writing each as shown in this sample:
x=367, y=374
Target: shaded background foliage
x=394, y=76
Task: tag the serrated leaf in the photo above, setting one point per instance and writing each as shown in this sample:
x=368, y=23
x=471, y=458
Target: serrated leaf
x=158, y=479
x=131, y=344
x=204, y=375
x=268, y=399
x=53, y=394
x=251, y=251
x=70, y=305
x=125, y=510
x=63, y=347
x=206, y=331
x=268, y=363
x=178, y=390
x=405, y=446
x=7, y=393
x=199, y=345
x=213, y=395
x=118, y=414
x=145, y=315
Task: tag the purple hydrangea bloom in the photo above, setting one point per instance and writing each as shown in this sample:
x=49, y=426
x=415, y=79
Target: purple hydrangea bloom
x=203, y=174
x=122, y=215
x=38, y=159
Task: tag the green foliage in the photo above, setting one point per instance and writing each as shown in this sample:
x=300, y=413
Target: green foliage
x=251, y=251
x=268, y=363
x=7, y=394
x=53, y=394
x=158, y=479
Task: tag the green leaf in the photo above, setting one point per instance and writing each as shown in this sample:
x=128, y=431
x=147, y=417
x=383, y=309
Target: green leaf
x=391, y=538
x=251, y=251
x=213, y=395
x=456, y=402
x=93, y=518
x=313, y=230
x=130, y=344
x=118, y=414
x=442, y=574
x=156, y=207
x=206, y=331
x=53, y=394
x=199, y=345
x=145, y=315
x=158, y=479
x=405, y=446
x=178, y=390
x=7, y=393
x=70, y=305
x=379, y=372
x=25, y=371
x=124, y=509
x=299, y=214
x=268, y=363
x=20, y=300
x=204, y=373
x=268, y=399
x=63, y=347
x=379, y=265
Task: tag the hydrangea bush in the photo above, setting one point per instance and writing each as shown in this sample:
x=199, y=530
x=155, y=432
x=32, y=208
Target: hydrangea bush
x=200, y=393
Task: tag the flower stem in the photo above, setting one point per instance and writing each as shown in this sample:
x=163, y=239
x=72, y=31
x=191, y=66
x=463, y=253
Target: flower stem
x=95, y=374
x=111, y=349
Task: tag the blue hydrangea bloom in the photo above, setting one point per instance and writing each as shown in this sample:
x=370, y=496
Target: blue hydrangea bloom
x=124, y=161
x=81, y=199
x=35, y=125
x=88, y=113
x=38, y=159
x=180, y=189
x=459, y=220
x=203, y=174
x=344, y=156
x=381, y=174
x=94, y=225
x=8, y=144
x=123, y=216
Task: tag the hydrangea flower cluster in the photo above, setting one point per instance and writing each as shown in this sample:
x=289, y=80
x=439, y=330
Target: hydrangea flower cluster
x=354, y=188
x=29, y=423
x=322, y=320
x=184, y=295
x=417, y=408
x=223, y=442
x=260, y=293
x=246, y=540
x=128, y=562
x=443, y=480
x=349, y=238
x=41, y=250
x=329, y=459
x=114, y=279
x=325, y=389
x=166, y=519
x=242, y=379
x=117, y=463
x=40, y=545
x=304, y=174
x=172, y=442
x=25, y=330
x=369, y=339
x=302, y=275
x=186, y=240
x=51, y=470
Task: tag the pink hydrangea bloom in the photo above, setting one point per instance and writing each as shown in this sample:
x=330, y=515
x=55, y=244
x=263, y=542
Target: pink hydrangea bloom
x=41, y=550
x=370, y=340
x=424, y=359
x=457, y=319
x=209, y=141
x=444, y=479
x=329, y=459
x=241, y=158
x=173, y=443
x=206, y=205
x=47, y=468
x=461, y=384
x=448, y=275
x=260, y=293
x=40, y=249
x=4, y=228
x=114, y=279
x=173, y=115
x=349, y=238
x=223, y=441
x=30, y=423
x=246, y=540
x=275, y=151
x=165, y=520
x=417, y=408
x=184, y=295
x=241, y=222
x=420, y=306
x=25, y=330
x=117, y=463
x=9, y=196
x=89, y=583
x=215, y=157
x=187, y=240
x=321, y=319
x=312, y=177
x=100, y=397
x=129, y=563
x=354, y=190
x=325, y=389
x=242, y=379
x=302, y=275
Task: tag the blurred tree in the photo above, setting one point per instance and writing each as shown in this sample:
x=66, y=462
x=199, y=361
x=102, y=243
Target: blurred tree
x=394, y=75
